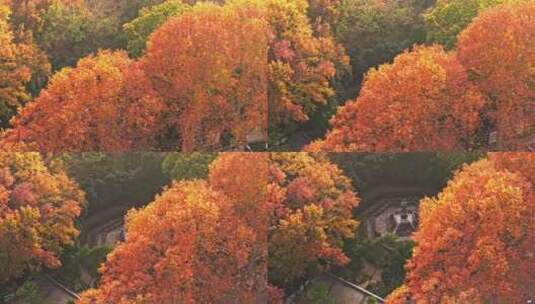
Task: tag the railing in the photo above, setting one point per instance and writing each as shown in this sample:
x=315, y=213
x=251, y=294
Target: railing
x=61, y=286
x=356, y=287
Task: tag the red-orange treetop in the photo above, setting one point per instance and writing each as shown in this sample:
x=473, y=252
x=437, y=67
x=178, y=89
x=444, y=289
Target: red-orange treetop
x=476, y=238
x=188, y=246
x=105, y=103
x=423, y=101
x=210, y=67
x=498, y=49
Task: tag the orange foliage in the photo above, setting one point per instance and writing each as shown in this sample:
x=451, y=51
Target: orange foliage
x=310, y=203
x=476, y=238
x=207, y=241
x=202, y=85
x=105, y=103
x=243, y=177
x=301, y=202
x=423, y=101
x=300, y=65
x=38, y=207
x=210, y=67
x=497, y=48
x=522, y=163
x=188, y=246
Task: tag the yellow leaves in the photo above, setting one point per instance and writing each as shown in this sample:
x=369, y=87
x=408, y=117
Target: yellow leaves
x=312, y=204
x=398, y=296
x=15, y=74
x=37, y=213
x=300, y=64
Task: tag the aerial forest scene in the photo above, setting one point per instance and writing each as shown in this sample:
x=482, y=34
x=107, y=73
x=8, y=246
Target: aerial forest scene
x=267, y=151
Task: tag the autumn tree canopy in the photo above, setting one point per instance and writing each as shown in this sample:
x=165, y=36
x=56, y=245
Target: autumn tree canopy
x=475, y=241
x=306, y=205
x=522, y=163
x=220, y=73
x=188, y=246
x=301, y=65
x=67, y=30
x=255, y=212
x=38, y=208
x=210, y=67
x=423, y=101
x=310, y=202
x=243, y=178
x=201, y=85
x=104, y=104
x=497, y=49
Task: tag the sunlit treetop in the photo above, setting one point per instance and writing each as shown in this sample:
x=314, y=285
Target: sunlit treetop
x=243, y=177
x=105, y=103
x=202, y=85
x=188, y=246
x=209, y=65
x=475, y=240
x=310, y=203
x=302, y=203
x=421, y=102
x=498, y=51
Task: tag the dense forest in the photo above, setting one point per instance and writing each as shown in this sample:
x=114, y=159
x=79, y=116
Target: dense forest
x=205, y=228
x=338, y=75
x=267, y=151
